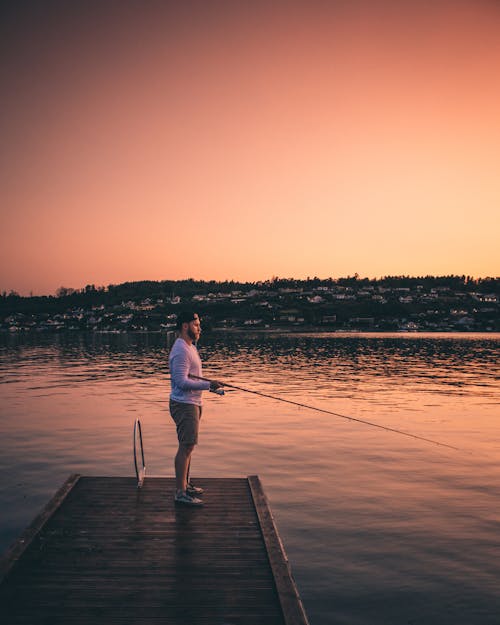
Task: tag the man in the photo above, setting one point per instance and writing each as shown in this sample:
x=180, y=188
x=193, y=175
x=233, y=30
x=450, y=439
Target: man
x=185, y=402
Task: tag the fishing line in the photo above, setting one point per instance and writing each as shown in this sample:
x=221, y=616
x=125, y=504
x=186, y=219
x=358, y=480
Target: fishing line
x=335, y=414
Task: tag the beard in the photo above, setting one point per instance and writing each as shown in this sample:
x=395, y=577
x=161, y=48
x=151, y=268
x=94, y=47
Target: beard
x=192, y=335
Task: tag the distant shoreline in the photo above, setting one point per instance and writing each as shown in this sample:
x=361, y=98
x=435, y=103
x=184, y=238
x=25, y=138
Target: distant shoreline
x=309, y=331
x=347, y=333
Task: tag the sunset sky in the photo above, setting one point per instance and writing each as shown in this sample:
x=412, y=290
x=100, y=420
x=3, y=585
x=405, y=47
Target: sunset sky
x=241, y=140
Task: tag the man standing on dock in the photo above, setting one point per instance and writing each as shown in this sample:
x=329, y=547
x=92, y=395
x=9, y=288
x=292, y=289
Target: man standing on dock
x=185, y=402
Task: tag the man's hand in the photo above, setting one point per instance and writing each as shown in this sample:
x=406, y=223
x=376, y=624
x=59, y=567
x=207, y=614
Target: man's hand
x=214, y=385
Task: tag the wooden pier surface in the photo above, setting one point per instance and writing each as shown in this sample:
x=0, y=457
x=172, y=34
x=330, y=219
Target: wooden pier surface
x=103, y=551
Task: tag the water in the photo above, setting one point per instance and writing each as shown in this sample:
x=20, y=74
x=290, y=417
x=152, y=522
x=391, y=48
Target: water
x=379, y=528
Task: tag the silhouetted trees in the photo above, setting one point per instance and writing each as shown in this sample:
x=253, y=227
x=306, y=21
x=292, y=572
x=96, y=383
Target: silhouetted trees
x=160, y=293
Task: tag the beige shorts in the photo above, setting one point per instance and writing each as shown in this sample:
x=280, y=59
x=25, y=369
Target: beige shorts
x=187, y=420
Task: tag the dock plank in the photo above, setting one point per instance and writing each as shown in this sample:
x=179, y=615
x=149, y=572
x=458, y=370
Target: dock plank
x=103, y=551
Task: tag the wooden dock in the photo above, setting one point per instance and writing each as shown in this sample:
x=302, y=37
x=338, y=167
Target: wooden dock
x=103, y=551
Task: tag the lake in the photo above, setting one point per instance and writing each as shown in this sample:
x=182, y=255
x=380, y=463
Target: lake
x=380, y=528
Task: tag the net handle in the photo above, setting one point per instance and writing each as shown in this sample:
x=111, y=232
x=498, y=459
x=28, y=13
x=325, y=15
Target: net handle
x=140, y=473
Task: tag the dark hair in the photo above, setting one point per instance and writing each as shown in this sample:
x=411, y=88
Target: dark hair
x=185, y=316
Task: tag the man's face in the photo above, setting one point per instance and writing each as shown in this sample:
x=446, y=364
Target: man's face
x=194, y=328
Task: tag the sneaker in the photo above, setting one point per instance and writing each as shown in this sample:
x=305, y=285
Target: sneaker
x=193, y=490
x=187, y=500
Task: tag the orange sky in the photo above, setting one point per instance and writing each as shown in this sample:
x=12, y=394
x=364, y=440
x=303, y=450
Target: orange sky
x=214, y=141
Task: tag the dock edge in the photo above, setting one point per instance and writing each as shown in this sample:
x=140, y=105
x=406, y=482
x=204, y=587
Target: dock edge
x=16, y=550
x=291, y=603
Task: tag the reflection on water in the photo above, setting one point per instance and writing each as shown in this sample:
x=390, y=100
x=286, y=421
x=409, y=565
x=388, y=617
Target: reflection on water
x=379, y=528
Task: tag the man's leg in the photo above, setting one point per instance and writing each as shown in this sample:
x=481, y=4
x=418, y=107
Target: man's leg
x=182, y=461
x=188, y=471
x=189, y=462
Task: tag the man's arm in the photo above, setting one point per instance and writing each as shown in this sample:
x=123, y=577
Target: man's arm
x=179, y=372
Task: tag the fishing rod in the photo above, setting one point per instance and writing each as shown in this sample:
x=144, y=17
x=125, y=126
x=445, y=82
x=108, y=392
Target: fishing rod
x=330, y=412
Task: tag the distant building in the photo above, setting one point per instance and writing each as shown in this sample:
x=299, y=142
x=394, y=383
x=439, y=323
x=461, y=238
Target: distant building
x=329, y=319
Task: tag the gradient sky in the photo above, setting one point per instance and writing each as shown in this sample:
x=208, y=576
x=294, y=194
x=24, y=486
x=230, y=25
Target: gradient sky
x=232, y=140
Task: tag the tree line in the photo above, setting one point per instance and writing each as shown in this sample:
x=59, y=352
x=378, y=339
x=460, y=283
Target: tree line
x=115, y=294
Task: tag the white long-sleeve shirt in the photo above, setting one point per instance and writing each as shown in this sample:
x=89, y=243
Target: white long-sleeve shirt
x=184, y=360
